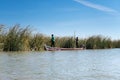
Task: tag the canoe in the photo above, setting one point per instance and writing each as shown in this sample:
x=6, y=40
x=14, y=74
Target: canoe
x=48, y=48
x=71, y=48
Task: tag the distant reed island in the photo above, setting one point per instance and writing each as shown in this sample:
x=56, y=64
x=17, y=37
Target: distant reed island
x=18, y=38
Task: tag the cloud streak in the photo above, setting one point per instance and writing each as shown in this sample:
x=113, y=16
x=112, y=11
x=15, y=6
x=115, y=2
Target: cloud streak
x=96, y=6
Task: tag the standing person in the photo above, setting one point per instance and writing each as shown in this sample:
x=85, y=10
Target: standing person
x=77, y=42
x=52, y=41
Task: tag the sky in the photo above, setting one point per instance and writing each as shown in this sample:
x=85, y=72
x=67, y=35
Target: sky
x=82, y=18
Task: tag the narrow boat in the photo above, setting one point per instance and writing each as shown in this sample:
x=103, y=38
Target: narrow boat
x=48, y=48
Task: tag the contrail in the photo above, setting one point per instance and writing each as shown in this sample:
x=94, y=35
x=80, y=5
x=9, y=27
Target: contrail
x=96, y=6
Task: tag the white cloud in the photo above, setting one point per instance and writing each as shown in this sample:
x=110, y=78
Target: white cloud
x=96, y=6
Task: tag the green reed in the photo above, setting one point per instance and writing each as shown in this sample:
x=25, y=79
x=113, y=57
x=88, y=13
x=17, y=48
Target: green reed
x=18, y=38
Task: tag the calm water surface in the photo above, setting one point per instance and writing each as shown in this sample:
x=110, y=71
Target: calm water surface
x=61, y=65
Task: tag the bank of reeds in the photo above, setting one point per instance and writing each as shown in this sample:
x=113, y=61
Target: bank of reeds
x=17, y=38
x=37, y=42
x=65, y=42
x=98, y=42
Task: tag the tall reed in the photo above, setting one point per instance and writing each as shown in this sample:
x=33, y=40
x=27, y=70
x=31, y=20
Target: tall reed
x=98, y=42
x=65, y=42
x=37, y=42
x=17, y=38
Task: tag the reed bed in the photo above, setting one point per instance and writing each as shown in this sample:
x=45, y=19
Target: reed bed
x=18, y=38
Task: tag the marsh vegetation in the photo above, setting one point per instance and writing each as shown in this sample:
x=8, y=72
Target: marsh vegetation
x=17, y=38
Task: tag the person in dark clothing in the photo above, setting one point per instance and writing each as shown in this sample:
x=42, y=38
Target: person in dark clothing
x=52, y=41
x=77, y=42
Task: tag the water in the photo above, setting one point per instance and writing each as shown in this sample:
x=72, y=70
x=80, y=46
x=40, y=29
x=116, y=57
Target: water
x=61, y=65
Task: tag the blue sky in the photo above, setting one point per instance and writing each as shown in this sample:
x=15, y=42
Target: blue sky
x=64, y=17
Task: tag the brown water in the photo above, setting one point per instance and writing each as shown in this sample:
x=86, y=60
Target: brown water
x=61, y=65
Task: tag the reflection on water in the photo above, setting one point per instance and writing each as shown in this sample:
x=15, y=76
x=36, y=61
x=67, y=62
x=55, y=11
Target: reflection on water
x=61, y=65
